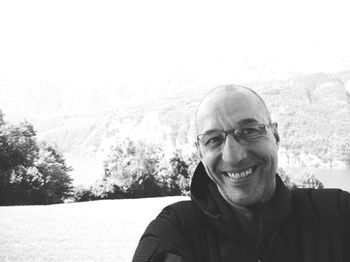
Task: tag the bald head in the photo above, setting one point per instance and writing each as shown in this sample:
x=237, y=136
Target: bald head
x=251, y=152
x=227, y=95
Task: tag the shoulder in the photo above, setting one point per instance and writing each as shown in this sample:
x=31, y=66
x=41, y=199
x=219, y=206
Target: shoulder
x=167, y=233
x=328, y=203
x=173, y=221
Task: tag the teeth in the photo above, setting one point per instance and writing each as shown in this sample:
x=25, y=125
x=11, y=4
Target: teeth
x=240, y=174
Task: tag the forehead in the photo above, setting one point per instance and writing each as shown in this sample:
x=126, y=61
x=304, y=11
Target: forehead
x=226, y=109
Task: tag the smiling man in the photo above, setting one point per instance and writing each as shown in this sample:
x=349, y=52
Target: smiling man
x=238, y=145
x=240, y=210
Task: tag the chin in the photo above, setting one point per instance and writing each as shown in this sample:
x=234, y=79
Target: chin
x=243, y=200
x=250, y=197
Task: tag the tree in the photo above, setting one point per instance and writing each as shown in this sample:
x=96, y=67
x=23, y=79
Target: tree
x=1, y=118
x=306, y=180
x=182, y=169
x=55, y=183
x=30, y=172
x=18, y=150
x=180, y=172
x=287, y=180
x=136, y=168
x=17, y=145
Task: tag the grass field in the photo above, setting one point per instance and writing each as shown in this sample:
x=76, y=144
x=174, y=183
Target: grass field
x=106, y=230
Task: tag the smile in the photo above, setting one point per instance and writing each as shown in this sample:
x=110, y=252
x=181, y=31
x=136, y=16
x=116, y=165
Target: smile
x=240, y=175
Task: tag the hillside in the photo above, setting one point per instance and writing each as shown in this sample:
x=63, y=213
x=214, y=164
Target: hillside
x=313, y=112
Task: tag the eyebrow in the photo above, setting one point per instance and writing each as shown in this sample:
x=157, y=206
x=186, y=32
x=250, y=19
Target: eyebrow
x=246, y=121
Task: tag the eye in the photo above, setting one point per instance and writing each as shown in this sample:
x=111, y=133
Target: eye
x=250, y=132
x=214, y=140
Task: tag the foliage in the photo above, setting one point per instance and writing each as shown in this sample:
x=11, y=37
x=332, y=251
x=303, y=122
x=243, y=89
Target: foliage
x=53, y=173
x=182, y=169
x=102, y=189
x=138, y=169
x=83, y=193
x=287, y=180
x=306, y=180
x=1, y=118
x=180, y=172
x=30, y=172
x=17, y=145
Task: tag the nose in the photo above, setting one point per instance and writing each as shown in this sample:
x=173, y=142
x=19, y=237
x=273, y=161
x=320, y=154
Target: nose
x=233, y=152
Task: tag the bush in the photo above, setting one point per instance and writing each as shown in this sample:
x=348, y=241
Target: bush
x=82, y=194
x=137, y=169
x=306, y=180
x=102, y=189
x=182, y=170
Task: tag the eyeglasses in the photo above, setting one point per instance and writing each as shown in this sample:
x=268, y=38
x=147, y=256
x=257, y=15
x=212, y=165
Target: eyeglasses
x=215, y=138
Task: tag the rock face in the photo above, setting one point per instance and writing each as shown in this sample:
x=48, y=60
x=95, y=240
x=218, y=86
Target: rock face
x=331, y=91
x=312, y=108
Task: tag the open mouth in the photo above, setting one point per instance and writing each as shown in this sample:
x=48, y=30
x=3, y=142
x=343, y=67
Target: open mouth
x=240, y=175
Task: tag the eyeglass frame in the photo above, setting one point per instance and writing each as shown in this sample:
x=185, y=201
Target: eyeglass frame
x=232, y=131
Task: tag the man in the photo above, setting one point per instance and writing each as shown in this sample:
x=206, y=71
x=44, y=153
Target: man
x=240, y=210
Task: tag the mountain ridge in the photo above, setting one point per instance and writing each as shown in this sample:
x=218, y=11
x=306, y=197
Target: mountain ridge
x=303, y=105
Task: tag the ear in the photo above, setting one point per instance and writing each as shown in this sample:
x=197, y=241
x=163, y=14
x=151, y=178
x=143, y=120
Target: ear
x=275, y=133
x=199, y=153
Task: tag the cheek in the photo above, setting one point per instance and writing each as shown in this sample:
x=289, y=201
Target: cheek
x=210, y=162
x=267, y=150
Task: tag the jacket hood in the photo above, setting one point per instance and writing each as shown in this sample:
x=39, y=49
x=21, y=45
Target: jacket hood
x=269, y=216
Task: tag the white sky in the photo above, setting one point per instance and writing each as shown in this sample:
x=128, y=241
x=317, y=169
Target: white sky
x=91, y=44
x=112, y=42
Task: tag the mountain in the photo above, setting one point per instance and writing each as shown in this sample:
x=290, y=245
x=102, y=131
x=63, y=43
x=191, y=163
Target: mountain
x=313, y=112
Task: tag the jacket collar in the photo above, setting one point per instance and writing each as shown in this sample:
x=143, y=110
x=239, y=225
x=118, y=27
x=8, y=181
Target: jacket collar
x=266, y=217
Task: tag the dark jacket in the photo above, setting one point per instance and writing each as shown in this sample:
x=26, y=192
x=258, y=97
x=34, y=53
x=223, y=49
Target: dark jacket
x=299, y=225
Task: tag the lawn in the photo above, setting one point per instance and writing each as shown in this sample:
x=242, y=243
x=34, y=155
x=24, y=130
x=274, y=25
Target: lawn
x=106, y=230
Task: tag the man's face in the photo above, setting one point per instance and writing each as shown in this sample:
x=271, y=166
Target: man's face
x=244, y=172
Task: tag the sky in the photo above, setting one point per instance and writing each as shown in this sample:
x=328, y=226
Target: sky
x=64, y=45
x=91, y=43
